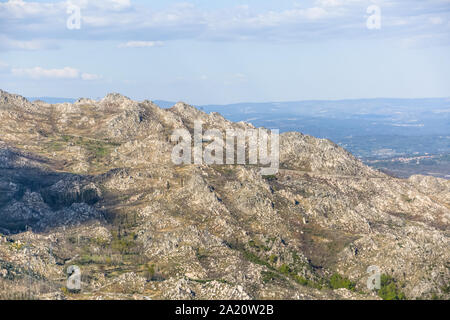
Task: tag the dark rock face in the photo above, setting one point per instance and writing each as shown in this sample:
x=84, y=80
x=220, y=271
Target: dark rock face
x=33, y=196
x=66, y=192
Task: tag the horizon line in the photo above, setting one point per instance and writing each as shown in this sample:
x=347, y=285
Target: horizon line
x=32, y=99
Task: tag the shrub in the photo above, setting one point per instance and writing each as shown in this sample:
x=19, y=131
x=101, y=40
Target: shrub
x=270, y=177
x=300, y=280
x=268, y=276
x=389, y=289
x=337, y=281
x=273, y=259
x=123, y=245
x=258, y=245
x=284, y=269
x=255, y=259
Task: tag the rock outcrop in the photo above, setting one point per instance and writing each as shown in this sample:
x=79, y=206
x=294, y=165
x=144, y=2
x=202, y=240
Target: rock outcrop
x=95, y=183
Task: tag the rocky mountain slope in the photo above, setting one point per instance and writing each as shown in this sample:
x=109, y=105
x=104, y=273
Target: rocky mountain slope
x=92, y=184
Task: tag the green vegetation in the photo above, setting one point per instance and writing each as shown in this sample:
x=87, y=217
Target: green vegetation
x=270, y=178
x=337, y=281
x=124, y=244
x=91, y=259
x=98, y=149
x=268, y=276
x=17, y=246
x=283, y=272
x=284, y=269
x=201, y=254
x=389, y=289
x=151, y=270
x=287, y=271
x=258, y=246
x=225, y=170
x=301, y=280
x=65, y=291
x=209, y=280
x=255, y=259
x=406, y=198
x=273, y=258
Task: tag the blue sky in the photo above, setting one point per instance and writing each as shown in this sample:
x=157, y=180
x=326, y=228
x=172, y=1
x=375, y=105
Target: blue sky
x=226, y=51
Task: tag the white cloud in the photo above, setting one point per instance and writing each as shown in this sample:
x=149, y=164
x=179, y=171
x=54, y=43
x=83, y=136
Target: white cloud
x=329, y=3
x=40, y=73
x=436, y=20
x=10, y=44
x=3, y=66
x=240, y=76
x=19, y=9
x=237, y=78
x=315, y=13
x=141, y=44
x=117, y=4
x=90, y=76
x=37, y=73
x=27, y=22
x=340, y=3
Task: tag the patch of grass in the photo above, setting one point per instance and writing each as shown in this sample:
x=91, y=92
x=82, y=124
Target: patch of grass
x=123, y=245
x=258, y=245
x=102, y=243
x=406, y=198
x=288, y=271
x=98, y=149
x=337, y=281
x=201, y=254
x=284, y=269
x=308, y=283
x=446, y=289
x=209, y=280
x=270, y=177
x=91, y=259
x=17, y=246
x=274, y=274
x=268, y=276
x=273, y=258
x=389, y=289
x=224, y=170
x=301, y=280
x=249, y=256
x=55, y=146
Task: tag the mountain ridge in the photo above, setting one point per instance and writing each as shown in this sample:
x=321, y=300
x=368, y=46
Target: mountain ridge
x=101, y=171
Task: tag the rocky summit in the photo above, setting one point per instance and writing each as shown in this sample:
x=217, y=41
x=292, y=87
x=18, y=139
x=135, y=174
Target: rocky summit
x=92, y=184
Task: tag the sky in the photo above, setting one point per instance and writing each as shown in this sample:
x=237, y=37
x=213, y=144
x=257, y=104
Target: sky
x=226, y=51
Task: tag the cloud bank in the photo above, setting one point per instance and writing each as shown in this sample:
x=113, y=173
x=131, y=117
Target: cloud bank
x=37, y=73
x=33, y=25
